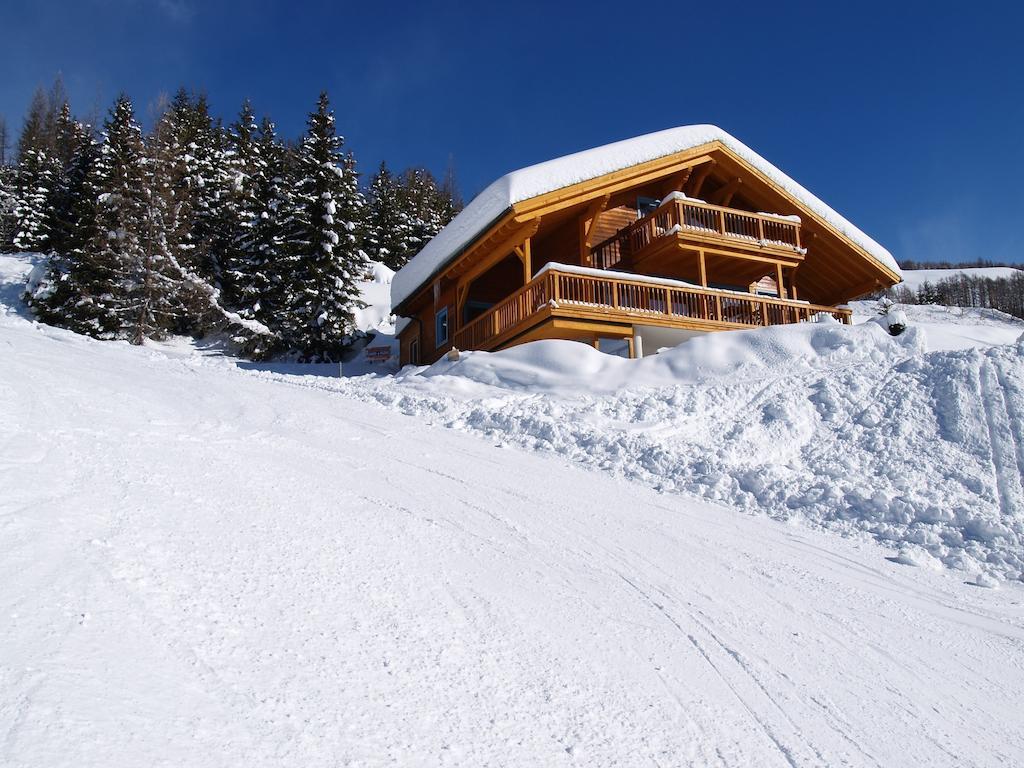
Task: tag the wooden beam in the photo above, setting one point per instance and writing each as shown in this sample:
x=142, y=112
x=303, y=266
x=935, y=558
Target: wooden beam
x=500, y=251
x=609, y=184
x=703, y=268
x=724, y=195
x=697, y=181
x=677, y=182
x=778, y=281
x=526, y=256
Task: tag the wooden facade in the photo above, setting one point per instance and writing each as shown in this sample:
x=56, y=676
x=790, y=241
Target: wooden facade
x=696, y=241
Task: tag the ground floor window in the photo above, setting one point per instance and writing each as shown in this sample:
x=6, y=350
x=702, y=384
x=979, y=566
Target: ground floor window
x=414, y=351
x=441, y=327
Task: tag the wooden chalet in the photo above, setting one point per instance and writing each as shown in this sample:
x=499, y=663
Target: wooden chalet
x=639, y=244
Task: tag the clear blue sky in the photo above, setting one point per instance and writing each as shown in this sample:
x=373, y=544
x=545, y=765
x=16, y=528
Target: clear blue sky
x=905, y=117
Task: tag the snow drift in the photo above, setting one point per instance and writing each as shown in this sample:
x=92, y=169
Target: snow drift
x=842, y=427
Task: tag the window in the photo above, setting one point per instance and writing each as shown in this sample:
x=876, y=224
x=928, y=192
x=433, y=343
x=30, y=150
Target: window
x=645, y=205
x=414, y=351
x=441, y=327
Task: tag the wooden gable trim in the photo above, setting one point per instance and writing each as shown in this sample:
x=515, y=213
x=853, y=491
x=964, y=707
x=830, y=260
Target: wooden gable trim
x=610, y=183
x=805, y=211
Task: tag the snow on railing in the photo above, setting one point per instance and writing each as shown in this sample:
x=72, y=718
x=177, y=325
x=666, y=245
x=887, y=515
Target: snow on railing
x=679, y=214
x=570, y=290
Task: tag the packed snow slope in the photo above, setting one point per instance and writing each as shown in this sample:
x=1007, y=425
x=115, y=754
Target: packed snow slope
x=205, y=566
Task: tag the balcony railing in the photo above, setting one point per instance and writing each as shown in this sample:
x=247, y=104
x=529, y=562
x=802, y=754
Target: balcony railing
x=570, y=291
x=681, y=216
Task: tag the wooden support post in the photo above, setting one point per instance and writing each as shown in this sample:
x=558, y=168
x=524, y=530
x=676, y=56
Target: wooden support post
x=724, y=195
x=778, y=281
x=527, y=262
x=632, y=348
x=668, y=301
x=703, y=269
x=588, y=221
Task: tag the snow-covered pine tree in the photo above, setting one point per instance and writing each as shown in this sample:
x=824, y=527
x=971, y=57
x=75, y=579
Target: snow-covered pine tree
x=36, y=177
x=101, y=288
x=72, y=213
x=72, y=226
x=427, y=208
x=246, y=169
x=43, y=150
x=321, y=290
x=263, y=236
x=211, y=181
x=185, y=302
x=388, y=226
x=7, y=205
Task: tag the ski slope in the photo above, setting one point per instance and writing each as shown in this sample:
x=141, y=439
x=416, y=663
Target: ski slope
x=204, y=566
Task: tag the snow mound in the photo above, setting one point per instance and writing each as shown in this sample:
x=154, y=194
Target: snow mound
x=569, y=368
x=839, y=427
x=561, y=172
x=375, y=292
x=951, y=328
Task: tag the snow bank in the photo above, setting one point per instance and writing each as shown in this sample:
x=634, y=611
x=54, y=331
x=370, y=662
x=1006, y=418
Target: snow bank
x=561, y=172
x=844, y=428
x=951, y=328
x=569, y=369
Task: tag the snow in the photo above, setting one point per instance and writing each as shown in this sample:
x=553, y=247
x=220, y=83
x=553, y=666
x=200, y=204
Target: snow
x=913, y=279
x=843, y=428
x=376, y=294
x=608, y=274
x=207, y=566
x=561, y=172
x=952, y=328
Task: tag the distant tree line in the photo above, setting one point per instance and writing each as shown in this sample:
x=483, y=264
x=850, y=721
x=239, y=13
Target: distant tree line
x=196, y=227
x=1005, y=294
x=976, y=264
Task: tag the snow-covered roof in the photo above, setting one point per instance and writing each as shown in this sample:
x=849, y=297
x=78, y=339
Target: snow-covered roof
x=535, y=180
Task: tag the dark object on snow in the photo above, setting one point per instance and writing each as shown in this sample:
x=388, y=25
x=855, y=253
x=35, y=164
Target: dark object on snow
x=896, y=321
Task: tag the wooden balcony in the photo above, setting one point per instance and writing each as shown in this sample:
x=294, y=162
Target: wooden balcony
x=685, y=220
x=570, y=293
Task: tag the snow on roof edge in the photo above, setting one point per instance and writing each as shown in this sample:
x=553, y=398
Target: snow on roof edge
x=561, y=172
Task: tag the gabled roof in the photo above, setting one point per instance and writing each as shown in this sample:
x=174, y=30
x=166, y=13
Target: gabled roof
x=512, y=188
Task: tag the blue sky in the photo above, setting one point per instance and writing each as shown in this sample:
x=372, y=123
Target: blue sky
x=905, y=117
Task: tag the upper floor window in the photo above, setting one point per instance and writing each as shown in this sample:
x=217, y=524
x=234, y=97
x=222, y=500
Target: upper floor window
x=645, y=205
x=441, y=327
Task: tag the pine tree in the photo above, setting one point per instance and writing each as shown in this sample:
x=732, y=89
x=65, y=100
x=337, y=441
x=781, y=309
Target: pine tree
x=321, y=294
x=246, y=168
x=71, y=213
x=8, y=201
x=36, y=178
x=116, y=287
x=387, y=222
